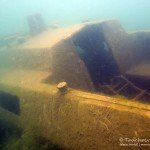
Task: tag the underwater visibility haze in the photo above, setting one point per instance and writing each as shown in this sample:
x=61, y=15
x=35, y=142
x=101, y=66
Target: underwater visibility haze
x=74, y=74
x=133, y=15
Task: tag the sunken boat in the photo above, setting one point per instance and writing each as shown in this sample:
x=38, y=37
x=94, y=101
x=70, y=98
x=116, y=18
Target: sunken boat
x=107, y=73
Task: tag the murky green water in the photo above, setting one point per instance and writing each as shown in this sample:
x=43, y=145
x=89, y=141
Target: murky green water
x=133, y=15
x=15, y=25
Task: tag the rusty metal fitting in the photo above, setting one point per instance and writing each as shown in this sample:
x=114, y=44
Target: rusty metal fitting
x=62, y=87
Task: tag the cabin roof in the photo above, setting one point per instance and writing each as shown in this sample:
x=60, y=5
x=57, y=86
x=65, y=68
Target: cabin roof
x=50, y=38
